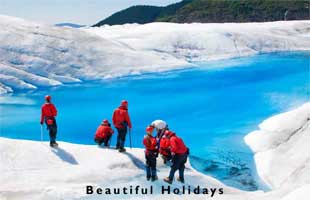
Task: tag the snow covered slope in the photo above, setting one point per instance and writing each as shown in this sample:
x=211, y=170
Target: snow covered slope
x=282, y=149
x=34, y=55
x=32, y=170
x=201, y=42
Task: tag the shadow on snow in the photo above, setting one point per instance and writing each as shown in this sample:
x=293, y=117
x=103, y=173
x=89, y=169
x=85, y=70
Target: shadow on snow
x=136, y=161
x=65, y=156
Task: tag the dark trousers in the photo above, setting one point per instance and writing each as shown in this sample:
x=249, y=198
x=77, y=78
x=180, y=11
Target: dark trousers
x=150, y=165
x=52, y=128
x=105, y=140
x=121, y=137
x=178, y=163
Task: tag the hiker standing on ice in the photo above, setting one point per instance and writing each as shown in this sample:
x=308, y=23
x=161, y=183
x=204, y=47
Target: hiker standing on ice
x=151, y=153
x=104, y=133
x=160, y=126
x=179, y=157
x=48, y=114
x=121, y=121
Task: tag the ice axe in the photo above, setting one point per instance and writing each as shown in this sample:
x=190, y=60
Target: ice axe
x=41, y=132
x=130, y=138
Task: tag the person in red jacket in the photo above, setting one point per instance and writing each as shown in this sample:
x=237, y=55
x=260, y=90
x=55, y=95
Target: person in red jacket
x=151, y=153
x=164, y=149
x=179, y=157
x=121, y=121
x=104, y=133
x=48, y=114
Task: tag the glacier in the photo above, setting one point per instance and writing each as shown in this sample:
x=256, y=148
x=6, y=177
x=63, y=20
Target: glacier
x=34, y=55
x=33, y=170
x=281, y=147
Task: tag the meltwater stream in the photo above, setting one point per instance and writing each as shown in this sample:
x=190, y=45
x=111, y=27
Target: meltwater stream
x=211, y=107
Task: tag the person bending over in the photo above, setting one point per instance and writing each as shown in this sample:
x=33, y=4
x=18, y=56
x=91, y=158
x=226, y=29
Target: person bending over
x=164, y=149
x=104, y=133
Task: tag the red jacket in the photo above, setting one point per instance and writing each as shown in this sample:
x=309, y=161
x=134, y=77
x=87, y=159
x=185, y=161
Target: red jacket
x=177, y=145
x=121, y=115
x=103, y=131
x=150, y=144
x=164, y=146
x=48, y=110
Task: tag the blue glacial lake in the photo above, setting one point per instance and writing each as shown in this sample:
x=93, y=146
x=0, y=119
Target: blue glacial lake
x=212, y=107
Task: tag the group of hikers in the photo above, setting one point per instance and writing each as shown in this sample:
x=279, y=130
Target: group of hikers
x=166, y=143
x=169, y=146
x=121, y=122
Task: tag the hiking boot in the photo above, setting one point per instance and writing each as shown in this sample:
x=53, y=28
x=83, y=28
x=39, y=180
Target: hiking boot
x=168, y=180
x=53, y=144
x=116, y=147
x=154, y=178
x=180, y=179
x=148, y=178
x=122, y=150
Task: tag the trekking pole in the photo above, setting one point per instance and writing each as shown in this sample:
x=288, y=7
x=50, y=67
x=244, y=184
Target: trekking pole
x=130, y=138
x=41, y=133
